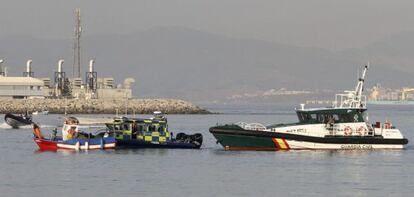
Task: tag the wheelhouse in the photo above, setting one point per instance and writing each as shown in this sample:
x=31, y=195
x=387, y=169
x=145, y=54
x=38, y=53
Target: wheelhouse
x=331, y=115
x=137, y=128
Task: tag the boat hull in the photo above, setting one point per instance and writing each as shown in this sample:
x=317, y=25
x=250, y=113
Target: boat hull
x=143, y=144
x=232, y=139
x=76, y=144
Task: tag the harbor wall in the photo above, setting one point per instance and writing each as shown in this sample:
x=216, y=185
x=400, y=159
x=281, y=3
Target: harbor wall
x=100, y=106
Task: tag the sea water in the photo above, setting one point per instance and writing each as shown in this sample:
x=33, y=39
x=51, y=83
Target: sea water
x=210, y=171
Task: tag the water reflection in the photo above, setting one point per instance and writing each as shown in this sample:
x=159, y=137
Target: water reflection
x=66, y=152
x=148, y=151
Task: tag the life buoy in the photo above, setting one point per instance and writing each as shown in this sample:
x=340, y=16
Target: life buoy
x=348, y=130
x=362, y=130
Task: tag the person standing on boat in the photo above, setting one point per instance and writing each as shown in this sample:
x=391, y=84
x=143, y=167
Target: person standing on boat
x=71, y=133
x=134, y=130
x=70, y=128
x=331, y=121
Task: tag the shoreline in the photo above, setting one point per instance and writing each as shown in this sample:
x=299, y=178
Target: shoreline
x=100, y=106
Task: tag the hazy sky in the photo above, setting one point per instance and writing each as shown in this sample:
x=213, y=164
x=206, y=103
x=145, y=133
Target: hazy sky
x=319, y=23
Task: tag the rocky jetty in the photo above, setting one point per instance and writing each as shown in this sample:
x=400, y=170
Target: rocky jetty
x=99, y=106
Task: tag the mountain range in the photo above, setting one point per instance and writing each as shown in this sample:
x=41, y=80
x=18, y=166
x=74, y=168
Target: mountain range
x=178, y=62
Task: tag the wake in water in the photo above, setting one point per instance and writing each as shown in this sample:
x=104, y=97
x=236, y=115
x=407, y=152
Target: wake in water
x=4, y=125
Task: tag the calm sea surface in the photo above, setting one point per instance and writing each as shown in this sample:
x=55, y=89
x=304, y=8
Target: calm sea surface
x=24, y=171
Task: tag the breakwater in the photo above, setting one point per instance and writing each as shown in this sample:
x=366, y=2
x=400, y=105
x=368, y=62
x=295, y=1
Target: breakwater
x=99, y=106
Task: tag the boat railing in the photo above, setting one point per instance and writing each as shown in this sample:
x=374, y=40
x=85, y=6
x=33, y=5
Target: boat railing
x=350, y=100
x=332, y=129
x=353, y=98
x=338, y=130
x=251, y=126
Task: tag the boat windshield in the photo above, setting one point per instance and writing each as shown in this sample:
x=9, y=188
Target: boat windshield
x=140, y=127
x=334, y=116
x=114, y=127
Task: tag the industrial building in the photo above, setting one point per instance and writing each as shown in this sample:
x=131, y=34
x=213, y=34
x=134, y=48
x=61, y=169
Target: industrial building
x=62, y=86
x=19, y=87
x=92, y=87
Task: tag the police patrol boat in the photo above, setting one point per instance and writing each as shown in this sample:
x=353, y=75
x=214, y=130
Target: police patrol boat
x=72, y=138
x=150, y=133
x=343, y=126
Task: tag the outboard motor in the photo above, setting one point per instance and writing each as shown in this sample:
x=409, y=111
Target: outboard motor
x=196, y=139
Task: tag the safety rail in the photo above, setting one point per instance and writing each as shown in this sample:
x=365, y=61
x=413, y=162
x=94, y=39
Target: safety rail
x=341, y=130
x=350, y=100
x=251, y=126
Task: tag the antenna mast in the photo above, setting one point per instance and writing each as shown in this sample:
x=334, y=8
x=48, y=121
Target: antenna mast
x=360, y=86
x=76, y=72
x=354, y=98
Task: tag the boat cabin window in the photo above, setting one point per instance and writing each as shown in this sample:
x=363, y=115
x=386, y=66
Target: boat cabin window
x=134, y=127
x=110, y=127
x=365, y=116
x=324, y=118
x=114, y=127
x=151, y=128
x=335, y=117
x=125, y=127
x=307, y=118
x=161, y=128
x=313, y=117
x=140, y=127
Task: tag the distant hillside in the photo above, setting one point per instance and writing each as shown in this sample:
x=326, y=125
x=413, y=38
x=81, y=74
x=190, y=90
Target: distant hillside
x=184, y=63
x=391, y=58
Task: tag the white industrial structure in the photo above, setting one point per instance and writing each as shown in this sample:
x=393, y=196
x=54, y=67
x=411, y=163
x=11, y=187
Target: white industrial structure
x=64, y=87
x=29, y=72
x=21, y=87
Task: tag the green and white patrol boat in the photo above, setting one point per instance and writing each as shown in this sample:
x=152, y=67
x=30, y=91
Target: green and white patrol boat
x=343, y=126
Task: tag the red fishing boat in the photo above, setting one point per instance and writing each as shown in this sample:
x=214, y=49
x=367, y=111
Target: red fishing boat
x=72, y=139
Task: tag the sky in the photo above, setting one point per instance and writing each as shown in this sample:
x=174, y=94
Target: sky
x=328, y=24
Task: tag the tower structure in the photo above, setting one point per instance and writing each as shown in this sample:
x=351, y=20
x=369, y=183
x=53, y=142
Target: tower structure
x=76, y=72
x=91, y=78
x=60, y=80
x=29, y=72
